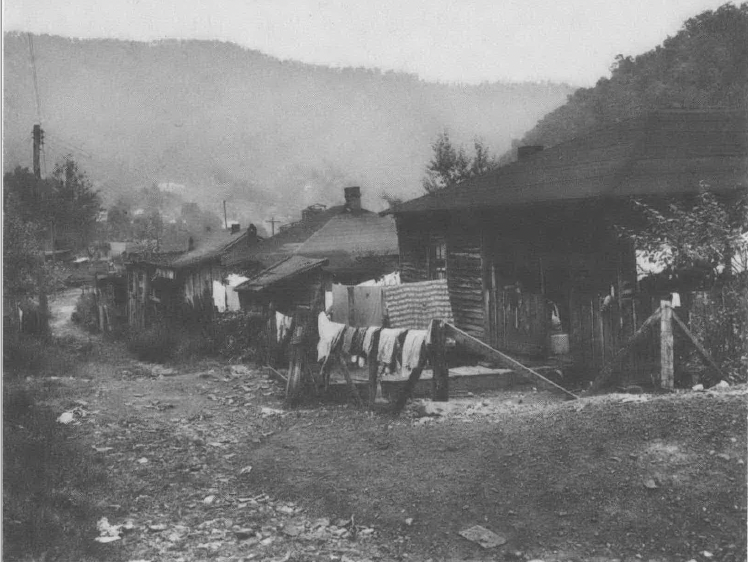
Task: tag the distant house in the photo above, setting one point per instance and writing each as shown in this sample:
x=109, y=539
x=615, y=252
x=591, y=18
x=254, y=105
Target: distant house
x=295, y=281
x=358, y=244
x=161, y=284
x=532, y=262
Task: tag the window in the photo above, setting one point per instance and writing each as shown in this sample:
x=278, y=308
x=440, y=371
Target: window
x=437, y=257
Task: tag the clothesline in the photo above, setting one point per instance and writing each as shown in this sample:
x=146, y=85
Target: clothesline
x=396, y=345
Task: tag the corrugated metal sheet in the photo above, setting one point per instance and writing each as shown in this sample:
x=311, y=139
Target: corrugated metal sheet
x=664, y=152
x=281, y=271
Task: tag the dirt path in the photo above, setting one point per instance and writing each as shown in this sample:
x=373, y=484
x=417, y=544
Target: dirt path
x=203, y=463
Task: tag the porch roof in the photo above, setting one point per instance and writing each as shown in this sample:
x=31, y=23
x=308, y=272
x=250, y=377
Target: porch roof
x=281, y=271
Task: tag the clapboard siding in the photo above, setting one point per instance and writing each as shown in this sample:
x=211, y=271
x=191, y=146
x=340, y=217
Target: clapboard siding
x=464, y=272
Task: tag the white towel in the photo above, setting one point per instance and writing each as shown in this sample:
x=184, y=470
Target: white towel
x=330, y=334
x=387, y=344
x=282, y=324
x=412, y=349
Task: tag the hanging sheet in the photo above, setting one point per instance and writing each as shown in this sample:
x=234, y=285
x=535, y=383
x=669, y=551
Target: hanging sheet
x=414, y=305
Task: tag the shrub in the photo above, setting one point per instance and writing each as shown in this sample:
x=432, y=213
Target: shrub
x=238, y=335
x=720, y=320
x=156, y=344
x=86, y=312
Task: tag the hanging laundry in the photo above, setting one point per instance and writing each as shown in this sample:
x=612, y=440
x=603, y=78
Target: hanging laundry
x=414, y=305
x=357, y=345
x=412, y=350
x=388, y=344
x=348, y=339
x=219, y=296
x=368, y=341
x=282, y=325
x=330, y=336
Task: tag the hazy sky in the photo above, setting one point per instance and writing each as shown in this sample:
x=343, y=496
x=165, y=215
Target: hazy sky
x=448, y=40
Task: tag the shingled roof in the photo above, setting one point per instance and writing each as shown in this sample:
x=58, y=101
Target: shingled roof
x=661, y=153
x=287, y=241
x=349, y=237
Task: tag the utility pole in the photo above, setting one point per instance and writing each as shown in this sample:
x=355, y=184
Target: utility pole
x=38, y=141
x=272, y=224
x=225, y=221
x=38, y=135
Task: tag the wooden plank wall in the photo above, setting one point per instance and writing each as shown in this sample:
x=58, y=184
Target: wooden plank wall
x=464, y=274
x=413, y=239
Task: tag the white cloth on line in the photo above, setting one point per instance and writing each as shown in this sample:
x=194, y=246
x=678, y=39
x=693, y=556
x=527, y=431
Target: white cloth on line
x=412, y=349
x=330, y=334
x=369, y=340
x=388, y=344
x=282, y=324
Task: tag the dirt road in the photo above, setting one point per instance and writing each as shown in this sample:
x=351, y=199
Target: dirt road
x=202, y=462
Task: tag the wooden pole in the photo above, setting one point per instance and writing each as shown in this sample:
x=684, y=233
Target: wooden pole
x=415, y=375
x=700, y=348
x=349, y=380
x=373, y=368
x=667, y=375
x=440, y=380
x=486, y=350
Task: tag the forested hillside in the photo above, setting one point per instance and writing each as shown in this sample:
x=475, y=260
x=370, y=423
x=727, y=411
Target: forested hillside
x=704, y=65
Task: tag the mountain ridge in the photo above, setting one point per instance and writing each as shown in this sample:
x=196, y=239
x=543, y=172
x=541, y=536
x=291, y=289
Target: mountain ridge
x=270, y=136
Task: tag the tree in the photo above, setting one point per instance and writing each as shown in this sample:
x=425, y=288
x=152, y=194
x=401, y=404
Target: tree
x=451, y=166
x=74, y=206
x=706, y=234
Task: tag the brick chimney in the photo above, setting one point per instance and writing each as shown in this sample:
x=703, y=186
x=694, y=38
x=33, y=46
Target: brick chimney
x=525, y=152
x=352, y=199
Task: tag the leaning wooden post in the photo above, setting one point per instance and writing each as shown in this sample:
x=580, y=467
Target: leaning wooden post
x=415, y=375
x=440, y=379
x=667, y=375
x=373, y=367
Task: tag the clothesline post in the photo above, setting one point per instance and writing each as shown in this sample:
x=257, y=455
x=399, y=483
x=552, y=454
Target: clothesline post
x=440, y=379
x=373, y=368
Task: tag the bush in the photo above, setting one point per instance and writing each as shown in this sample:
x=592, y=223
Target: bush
x=86, y=313
x=720, y=320
x=156, y=344
x=238, y=336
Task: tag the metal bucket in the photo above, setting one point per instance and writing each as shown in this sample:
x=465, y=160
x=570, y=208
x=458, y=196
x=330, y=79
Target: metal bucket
x=559, y=344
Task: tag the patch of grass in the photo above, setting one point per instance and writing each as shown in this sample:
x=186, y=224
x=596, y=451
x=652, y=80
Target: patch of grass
x=50, y=484
x=29, y=355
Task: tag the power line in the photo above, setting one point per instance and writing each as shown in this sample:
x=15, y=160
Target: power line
x=36, y=79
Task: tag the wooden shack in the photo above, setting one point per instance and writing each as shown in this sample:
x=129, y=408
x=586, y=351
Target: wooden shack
x=530, y=251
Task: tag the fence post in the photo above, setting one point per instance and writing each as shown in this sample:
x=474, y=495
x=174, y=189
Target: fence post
x=666, y=346
x=440, y=379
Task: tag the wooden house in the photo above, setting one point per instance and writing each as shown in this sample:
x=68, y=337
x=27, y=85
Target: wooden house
x=294, y=282
x=358, y=244
x=533, y=263
x=166, y=284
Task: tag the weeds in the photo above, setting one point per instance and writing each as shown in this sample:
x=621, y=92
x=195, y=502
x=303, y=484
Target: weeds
x=50, y=482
